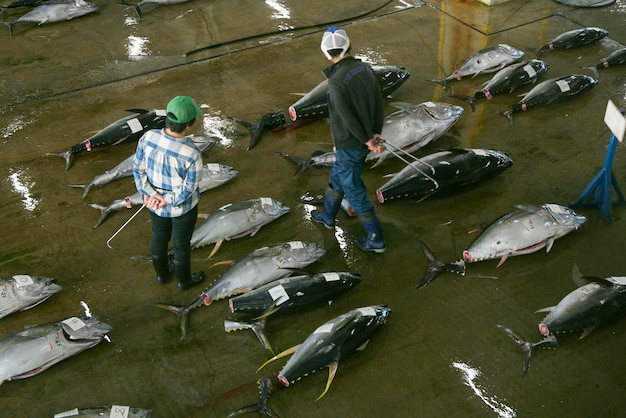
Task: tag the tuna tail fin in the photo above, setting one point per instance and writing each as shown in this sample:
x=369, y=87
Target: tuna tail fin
x=300, y=163
x=268, y=122
x=182, y=313
x=469, y=99
x=258, y=327
x=67, y=155
x=255, y=131
x=265, y=389
x=509, y=115
x=104, y=213
x=137, y=10
x=86, y=188
x=594, y=70
x=436, y=267
x=528, y=347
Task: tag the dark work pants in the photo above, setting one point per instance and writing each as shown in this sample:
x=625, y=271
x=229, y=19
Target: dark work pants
x=180, y=229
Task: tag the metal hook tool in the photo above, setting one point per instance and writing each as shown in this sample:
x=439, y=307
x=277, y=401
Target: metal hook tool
x=125, y=223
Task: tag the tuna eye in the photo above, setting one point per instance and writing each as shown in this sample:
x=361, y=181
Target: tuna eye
x=498, y=242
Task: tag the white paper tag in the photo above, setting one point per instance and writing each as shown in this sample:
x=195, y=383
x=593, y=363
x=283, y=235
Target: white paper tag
x=554, y=208
x=429, y=104
x=23, y=280
x=213, y=167
x=530, y=70
x=134, y=125
x=296, y=245
x=367, y=311
x=563, y=85
x=160, y=112
x=265, y=201
x=118, y=411
x=70, y=413
x=331, y=277
x=324, y=329
x=479, y=152
x=278, y=294
x=74, y=323
x=618, y=280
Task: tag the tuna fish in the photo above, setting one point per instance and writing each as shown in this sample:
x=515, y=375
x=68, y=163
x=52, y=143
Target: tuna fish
x=586, y=3
x=22, y=292
x=487, y=60
x=55, y=12
x=408, y=129
x=254, y=270
x=331, y=342
x=37, y=348
x=268, y=122
x=587, y=307
x=125, y=168
x=236, y=220
x=127, y=129
x=508, y=79
x=213, y=175
x=617, y=57
x=574, y=39
x=452, y=170
x=552, y=90
x=137, y=6
x=112, y=411
x=523, y=231
x=527, y=347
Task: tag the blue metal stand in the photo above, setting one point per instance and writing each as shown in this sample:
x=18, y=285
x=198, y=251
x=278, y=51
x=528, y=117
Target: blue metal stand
x=598, y=192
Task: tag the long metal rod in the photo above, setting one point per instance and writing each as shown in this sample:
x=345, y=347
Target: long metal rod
x=409, y=155
x=415, y=168
x=123, y=226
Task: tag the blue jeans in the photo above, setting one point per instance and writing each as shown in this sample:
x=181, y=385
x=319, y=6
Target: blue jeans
x=345, y=177
x=180, y=229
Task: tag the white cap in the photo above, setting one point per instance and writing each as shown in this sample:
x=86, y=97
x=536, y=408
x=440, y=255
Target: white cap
x=335, y=38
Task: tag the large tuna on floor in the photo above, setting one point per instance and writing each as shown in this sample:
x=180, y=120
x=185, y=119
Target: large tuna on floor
x=37, y=348
x=443, y=172
x=574, y=39
x=260, y=267
x=236, y=220
x=523, y=231
x=552, y=90
x=22, y=292
x=331, y=342
x=617, y=57
x=113, y=411
x=55, y=12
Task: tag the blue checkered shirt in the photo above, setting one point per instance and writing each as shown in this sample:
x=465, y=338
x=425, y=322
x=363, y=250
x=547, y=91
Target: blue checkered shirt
x=169, y=166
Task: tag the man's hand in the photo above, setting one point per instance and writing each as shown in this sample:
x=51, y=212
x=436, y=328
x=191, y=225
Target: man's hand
x=376, y=144
x=156, y=201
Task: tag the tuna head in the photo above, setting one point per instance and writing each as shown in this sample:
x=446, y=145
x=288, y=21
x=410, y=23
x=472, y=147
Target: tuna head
x=85, y=329
x=34, y=288
x=298, y=254
x=390, y=77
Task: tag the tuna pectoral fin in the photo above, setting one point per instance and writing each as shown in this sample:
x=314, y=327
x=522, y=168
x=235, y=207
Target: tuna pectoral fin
x=279, y=355
x=216, y=247
x=435, y=266
x=502, y=260
x=332, y=371
x=182, y=313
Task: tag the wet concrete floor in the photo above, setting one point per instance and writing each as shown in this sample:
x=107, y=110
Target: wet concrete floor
x=440, y=352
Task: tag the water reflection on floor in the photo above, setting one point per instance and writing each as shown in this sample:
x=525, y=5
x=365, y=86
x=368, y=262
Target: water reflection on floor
x=440, y=352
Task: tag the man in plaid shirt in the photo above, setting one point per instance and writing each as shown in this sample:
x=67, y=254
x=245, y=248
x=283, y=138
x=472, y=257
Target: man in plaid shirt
x=166, y=169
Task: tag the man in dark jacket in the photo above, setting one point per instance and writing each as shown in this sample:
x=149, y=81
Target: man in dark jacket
x=356, y=114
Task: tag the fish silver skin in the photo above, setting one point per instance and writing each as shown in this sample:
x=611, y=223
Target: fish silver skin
x=552, y=90
x=452, y=170
x=410, y=128
x=487, y=60
x=260, y=267
x=314, y=104
x=125, y=168
x=586, y=3
x=574, y=39
x=236, y=220
x=106, y=412
x=331, y=342
x=23, y=291
x=586, y=307
x=55, y=12
x=523, y=231
x=508, y=79
x=212, y=175
x=37, y=348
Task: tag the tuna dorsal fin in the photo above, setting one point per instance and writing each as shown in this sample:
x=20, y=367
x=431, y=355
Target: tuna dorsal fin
x=280, y=355
x=332, y=371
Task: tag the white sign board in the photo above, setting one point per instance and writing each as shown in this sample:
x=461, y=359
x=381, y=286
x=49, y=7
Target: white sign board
x=615, y=120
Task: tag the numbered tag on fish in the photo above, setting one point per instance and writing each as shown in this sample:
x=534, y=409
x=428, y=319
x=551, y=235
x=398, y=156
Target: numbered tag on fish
x=479, y=152
x=215, y=167
x=563, y=85
x=265, y=201
x=118, y=411
x=22, y=280
x=530, y=71
x=620, y=281
x=134, y=125
x=554, y=208
x=296, y=245
x=278, y=294
x=429, y=104
x=331, y=277
x=74, y=323
x=367, y=311
x=160, y=112
x=324, y=329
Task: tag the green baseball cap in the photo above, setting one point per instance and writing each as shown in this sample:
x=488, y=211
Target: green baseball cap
x=183, y=109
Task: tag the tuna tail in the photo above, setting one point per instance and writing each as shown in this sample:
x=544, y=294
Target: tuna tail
x=265, y=389
x=509, y=115
x=182, y=313
x=67, y=155
x=300, y=163
x=86, y=188
x=11, y=26
x=268, y=122
x=594, y=70
x=442, y=82
x=527, y=347
x=258, y=327
x=469, y=99
x=104, y=213
x=436, y=267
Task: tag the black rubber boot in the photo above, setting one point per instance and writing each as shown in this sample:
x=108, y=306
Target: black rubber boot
x=184, y=276
x=162, y=267
x=332, y=204
x=374, y=241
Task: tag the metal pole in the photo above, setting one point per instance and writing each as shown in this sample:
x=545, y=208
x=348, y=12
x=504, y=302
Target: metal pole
x=408, y=154
x=417, y=169
x=125, y=223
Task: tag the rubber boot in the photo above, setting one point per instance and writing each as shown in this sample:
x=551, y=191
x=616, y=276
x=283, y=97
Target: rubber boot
x=161, y=265
x=332, y=204
x=184, y=276
x=375, y=241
